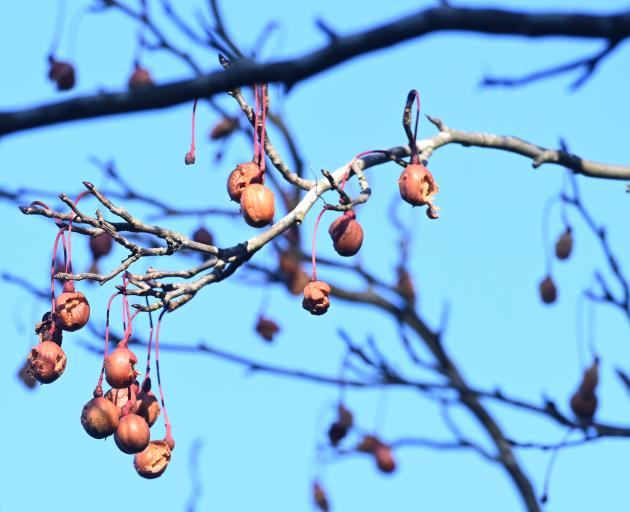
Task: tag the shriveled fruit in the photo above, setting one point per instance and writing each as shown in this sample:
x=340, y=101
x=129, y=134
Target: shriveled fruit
x=46, y=362
x=258, y=205
x=564, y=245
x=119, y=367
x=100, y=417
x=153, y=460
x=72, y=308
x=548, y=291
x=147, y=406
x=140, y=78
x=316, y=299
x=132, y=434
x=418, y=187
x=62, y=73
x=242, y=177
x=346, y=234
x=267, y=328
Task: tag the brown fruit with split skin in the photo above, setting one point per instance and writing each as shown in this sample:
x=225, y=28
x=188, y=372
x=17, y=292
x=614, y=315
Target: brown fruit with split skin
x=346, y=234
x=119, y=367
x=147, y=406
x=242, y=177
x=258, y=205
x=100, y=417
x=46, y=362
x=72, y=309
x=132, y=434
x=417, y=187
x=548, y=290
x=153, y=460
x=316, y=299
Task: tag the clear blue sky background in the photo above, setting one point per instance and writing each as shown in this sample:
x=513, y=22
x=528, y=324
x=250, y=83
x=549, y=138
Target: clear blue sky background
x=484, y=256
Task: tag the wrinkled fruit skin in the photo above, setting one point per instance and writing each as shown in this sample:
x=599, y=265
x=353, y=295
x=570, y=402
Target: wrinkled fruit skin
x=316, y=299
x=267, y=328
x=418, y=188
x=100, y=417
x=346, y=234
x=258, y=205
x=132, y=434
x=101, y=245
x=46, y=362
x=62, y=73
x=147, y=406
x=119, y=368
x=73, y=310
x=140, y=78
x=120, y=397
x=384, y=458
x=564, y=245
x=548, y=291
x=153, y=460
x=242, y=177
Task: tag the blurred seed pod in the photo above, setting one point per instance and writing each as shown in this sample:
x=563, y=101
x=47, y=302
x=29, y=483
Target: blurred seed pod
x=564, y=245
x=548, y=290
x=224, y=128
x=319, y=497
x=267, y=328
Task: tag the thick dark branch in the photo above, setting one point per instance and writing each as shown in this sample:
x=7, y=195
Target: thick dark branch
x=292, y=71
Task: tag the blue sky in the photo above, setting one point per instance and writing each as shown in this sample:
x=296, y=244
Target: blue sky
x=484, y=257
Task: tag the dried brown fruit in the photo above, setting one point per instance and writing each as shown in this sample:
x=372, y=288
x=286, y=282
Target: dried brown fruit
x=319, y=497
x=46, y=362
x=100, y=417
x=224, y=128
x=101, y=245
x=584, y=400
x=548, y=290
x=132, y=434
x=153, y=460
x=62, y=73
x=267, y=328
x=316, y=299
x=384, y=458
x=564, y=245
x=119, y=367
x=418, y=188
x=140, y=78
x=258, y=205
x=346, y=234
x=147, y=406
x=242, y=177
x=72, y=308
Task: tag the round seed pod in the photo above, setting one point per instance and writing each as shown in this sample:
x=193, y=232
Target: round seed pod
x=140, y=78
x=62, y=73
x=346, y=234
x=258, y=205
x=72, y=309
x=384, y=458
x=316, y=299
x=203, y=236
x=132, y=434
x=548, y=290
x=147, y=406
x=564, y=245
x=101, y=245
x=417, y=186
x=100, y=417
x=584, y=405
x=46, y=362
x=153, y=460
x=242, y=177
x=119, y=367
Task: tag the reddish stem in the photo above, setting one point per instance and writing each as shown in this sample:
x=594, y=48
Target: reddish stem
x=319, y=217
x=190, y=156
x=99, y=385
x=167, y=423
x=148, y=370
x=52, y=271
x=69, y=260
x=256, y=110
x=263, y=91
